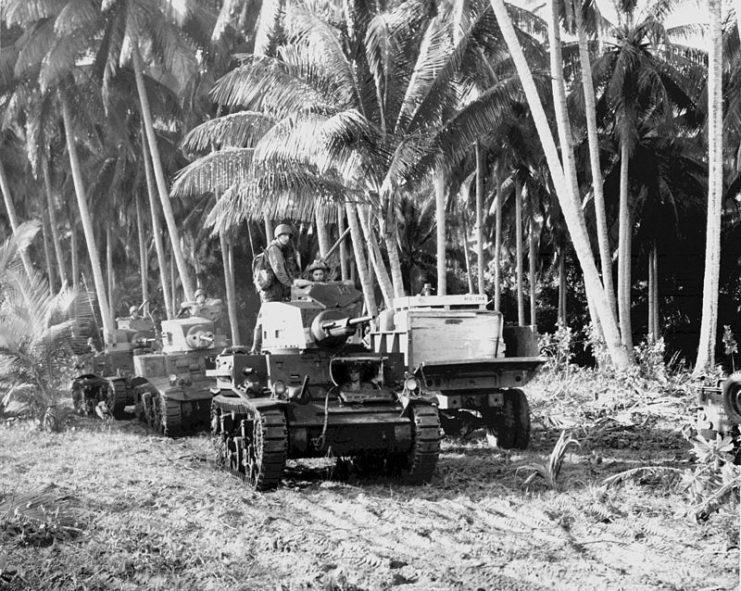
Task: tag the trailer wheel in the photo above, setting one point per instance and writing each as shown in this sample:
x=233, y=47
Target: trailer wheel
x=732, y=398
x=509, y=427
x=265, y=440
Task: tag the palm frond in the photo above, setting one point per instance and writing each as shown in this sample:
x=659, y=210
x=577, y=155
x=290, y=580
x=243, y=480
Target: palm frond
x=434, y=54
x=214, y=173
x=237, y=130
x=265, y=85
x=23, y=12
x=77, y=16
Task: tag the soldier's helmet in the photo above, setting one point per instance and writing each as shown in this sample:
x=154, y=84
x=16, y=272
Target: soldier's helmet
x=317, y=266
x=133, y=310
x=282, y=229
x=200, y=292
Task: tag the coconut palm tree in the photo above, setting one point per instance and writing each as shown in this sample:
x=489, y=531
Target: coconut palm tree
x=708, y=325
x=368, y=136
x=564, y=187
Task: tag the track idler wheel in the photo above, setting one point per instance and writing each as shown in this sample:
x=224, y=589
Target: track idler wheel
x=78, y=400
x=265, y=440
x=509, y=427
x=732, y=398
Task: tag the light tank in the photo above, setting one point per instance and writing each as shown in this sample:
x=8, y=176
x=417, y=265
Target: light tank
x=317, y=390
x=107, y=380
x=173, y=396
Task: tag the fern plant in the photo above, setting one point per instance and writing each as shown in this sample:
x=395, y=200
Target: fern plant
x=38, y=333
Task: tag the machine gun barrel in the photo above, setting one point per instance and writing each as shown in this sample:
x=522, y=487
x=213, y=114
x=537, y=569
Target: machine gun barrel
x=346, y=322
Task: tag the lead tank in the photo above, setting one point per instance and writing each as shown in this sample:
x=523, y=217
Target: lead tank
x=317, y=390
x=173, y=396
x=107, y=380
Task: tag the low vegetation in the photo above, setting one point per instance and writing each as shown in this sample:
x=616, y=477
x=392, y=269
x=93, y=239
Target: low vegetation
x=615, y=491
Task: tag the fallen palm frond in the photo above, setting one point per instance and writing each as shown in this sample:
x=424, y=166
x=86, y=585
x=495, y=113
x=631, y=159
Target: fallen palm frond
x=651, y=472
x=38, y=518
x=549, y=472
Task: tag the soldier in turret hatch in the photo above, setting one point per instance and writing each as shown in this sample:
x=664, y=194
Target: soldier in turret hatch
x=317, y=272
x=283, y=262
x=274, y=280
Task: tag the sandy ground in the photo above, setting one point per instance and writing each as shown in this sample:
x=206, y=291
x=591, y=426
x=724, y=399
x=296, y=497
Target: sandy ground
x=156, y=513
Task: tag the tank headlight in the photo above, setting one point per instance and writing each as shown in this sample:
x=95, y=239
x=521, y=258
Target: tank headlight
x=279, y=388
x=411, y=384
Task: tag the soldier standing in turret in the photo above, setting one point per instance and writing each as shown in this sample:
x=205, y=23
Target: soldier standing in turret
x=282, y=269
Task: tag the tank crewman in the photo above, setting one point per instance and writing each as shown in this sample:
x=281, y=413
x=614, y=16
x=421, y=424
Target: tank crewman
x=203, y=306
x=283, y=271
x=281, y=256
x=134, y=312
x=317, y=271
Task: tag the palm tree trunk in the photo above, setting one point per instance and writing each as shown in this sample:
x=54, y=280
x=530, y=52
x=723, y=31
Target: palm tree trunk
x=227, y=252
x=156, y=229
x=498, y=245
x=75, y=256
x=709, y=323
x=440, y=185
x=518, y=253
x=56, y=240
x=344, y=270
x=624, y=254
x=569, y=200
x=13, y=219
x=374, y=254
x=173, y=283
x=159, y=174
x=47, y=252
x=594, y=161
x=653, y=303
x=479, y=217
x=562, y=286
x=357, y=243
x=87, y=223
x=109, y=269
x=143, y=263
x=532, y=260
x=466, y=255
x=392, y=249
x=321, y=230
x=657, y=310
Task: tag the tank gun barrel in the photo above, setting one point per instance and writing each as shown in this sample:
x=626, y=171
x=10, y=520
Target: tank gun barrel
x=346, y=322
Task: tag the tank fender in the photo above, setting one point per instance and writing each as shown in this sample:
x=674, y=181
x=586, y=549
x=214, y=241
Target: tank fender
x=408, y=403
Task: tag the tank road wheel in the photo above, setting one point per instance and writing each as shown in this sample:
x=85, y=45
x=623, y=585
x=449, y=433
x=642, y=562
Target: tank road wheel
x=115, y=398
x=418, y=464
x=509, y=427
x=266, y=446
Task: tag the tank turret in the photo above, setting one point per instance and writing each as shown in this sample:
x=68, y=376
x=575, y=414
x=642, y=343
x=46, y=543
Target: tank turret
x=319, y=315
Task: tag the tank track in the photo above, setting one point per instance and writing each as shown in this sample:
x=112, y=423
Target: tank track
x=418, y=464
x=115, y=397
x=251, y=444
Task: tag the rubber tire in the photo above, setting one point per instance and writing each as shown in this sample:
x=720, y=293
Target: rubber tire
x=511, y=426
x=732, y=398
